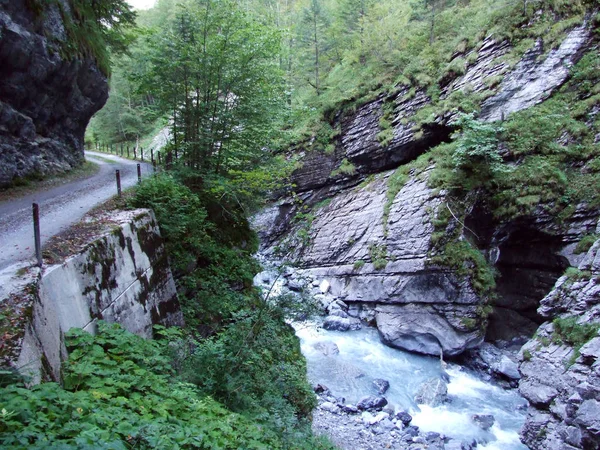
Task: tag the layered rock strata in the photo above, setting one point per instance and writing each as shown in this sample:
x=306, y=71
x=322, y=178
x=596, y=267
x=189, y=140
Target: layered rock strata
x=374, y=245
x=561, y=365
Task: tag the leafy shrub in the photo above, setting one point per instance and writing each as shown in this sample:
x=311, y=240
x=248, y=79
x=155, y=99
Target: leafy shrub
x=378, y=254
x=119, y=393
x=477, y=150
x=358, y=264
x=239, y=350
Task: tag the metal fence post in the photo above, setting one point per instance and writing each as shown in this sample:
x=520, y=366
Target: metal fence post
x=142, y=153
x=36, y=234
x=139, y=171
x=118, y=175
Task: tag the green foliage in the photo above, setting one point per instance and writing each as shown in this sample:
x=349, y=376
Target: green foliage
x=378, y=255
x=214, y=70
x=182, y=218
x=386, y=131
x=119, y=393
x=586, y=243
x=345, y=168
x=240, y=351
x=465, y=260
x=359, y=264
x=527, y=355
x=477, y=151
x=567, y=330
x=94, y=29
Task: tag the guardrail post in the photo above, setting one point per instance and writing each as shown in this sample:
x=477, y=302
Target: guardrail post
x=118, y=175
x=152, y=154
x=139, y=172
x=142, y=153
x=128, y=152
x=36, y=234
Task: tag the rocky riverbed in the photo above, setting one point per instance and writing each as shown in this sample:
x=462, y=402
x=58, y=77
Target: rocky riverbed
x=372, y=396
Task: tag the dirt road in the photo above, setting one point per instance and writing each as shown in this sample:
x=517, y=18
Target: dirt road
x=60, y=206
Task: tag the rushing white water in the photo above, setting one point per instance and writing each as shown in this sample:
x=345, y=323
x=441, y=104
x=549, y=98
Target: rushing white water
x=362, y=358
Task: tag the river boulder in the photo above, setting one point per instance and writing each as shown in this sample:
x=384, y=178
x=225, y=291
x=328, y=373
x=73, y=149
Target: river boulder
x=433, y=392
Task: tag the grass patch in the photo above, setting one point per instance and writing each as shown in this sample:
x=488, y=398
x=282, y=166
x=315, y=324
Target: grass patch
x=345, y=168
x=379, y=256
x=567, y=330
x=359, y=264
x=586, y=243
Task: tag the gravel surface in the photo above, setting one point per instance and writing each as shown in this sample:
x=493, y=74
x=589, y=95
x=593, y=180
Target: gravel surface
x=60, y=206
x=351, y=427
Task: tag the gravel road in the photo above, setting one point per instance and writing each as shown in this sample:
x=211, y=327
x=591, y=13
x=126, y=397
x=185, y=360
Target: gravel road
x=61, y=206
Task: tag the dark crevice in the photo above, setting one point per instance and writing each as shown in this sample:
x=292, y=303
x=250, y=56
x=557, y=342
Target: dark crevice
x=529, y=263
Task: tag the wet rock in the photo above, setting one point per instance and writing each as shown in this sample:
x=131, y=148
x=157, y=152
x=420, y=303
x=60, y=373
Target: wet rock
x=295, y=285
x=350, y=409
x=389, y=409
x=420, y=328
x=483, y=421
x=329, y=406
x=328, y=348
x=371, y=403
x=411, y=431
x=370, y=419
x=336, y=323
x=381, y=385
x=508, y=368
x=404, y=417
x=385, y=426
x=494, y=361
x=433, y=392
x=321, y=389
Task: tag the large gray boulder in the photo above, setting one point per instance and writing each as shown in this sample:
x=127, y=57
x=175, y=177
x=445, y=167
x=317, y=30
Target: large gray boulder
x=433, y=392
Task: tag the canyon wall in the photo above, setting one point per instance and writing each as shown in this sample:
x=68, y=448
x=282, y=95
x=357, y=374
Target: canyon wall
x=46, y=97
x=368, y=235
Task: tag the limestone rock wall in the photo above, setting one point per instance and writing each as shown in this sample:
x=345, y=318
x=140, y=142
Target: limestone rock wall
x=561, y=379
x=374, y=246
x=122, y=277
x=46, y=101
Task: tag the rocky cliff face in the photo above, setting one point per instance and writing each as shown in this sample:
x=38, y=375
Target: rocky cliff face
x=374, y=243
x=561, y=364
x=46, y=99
